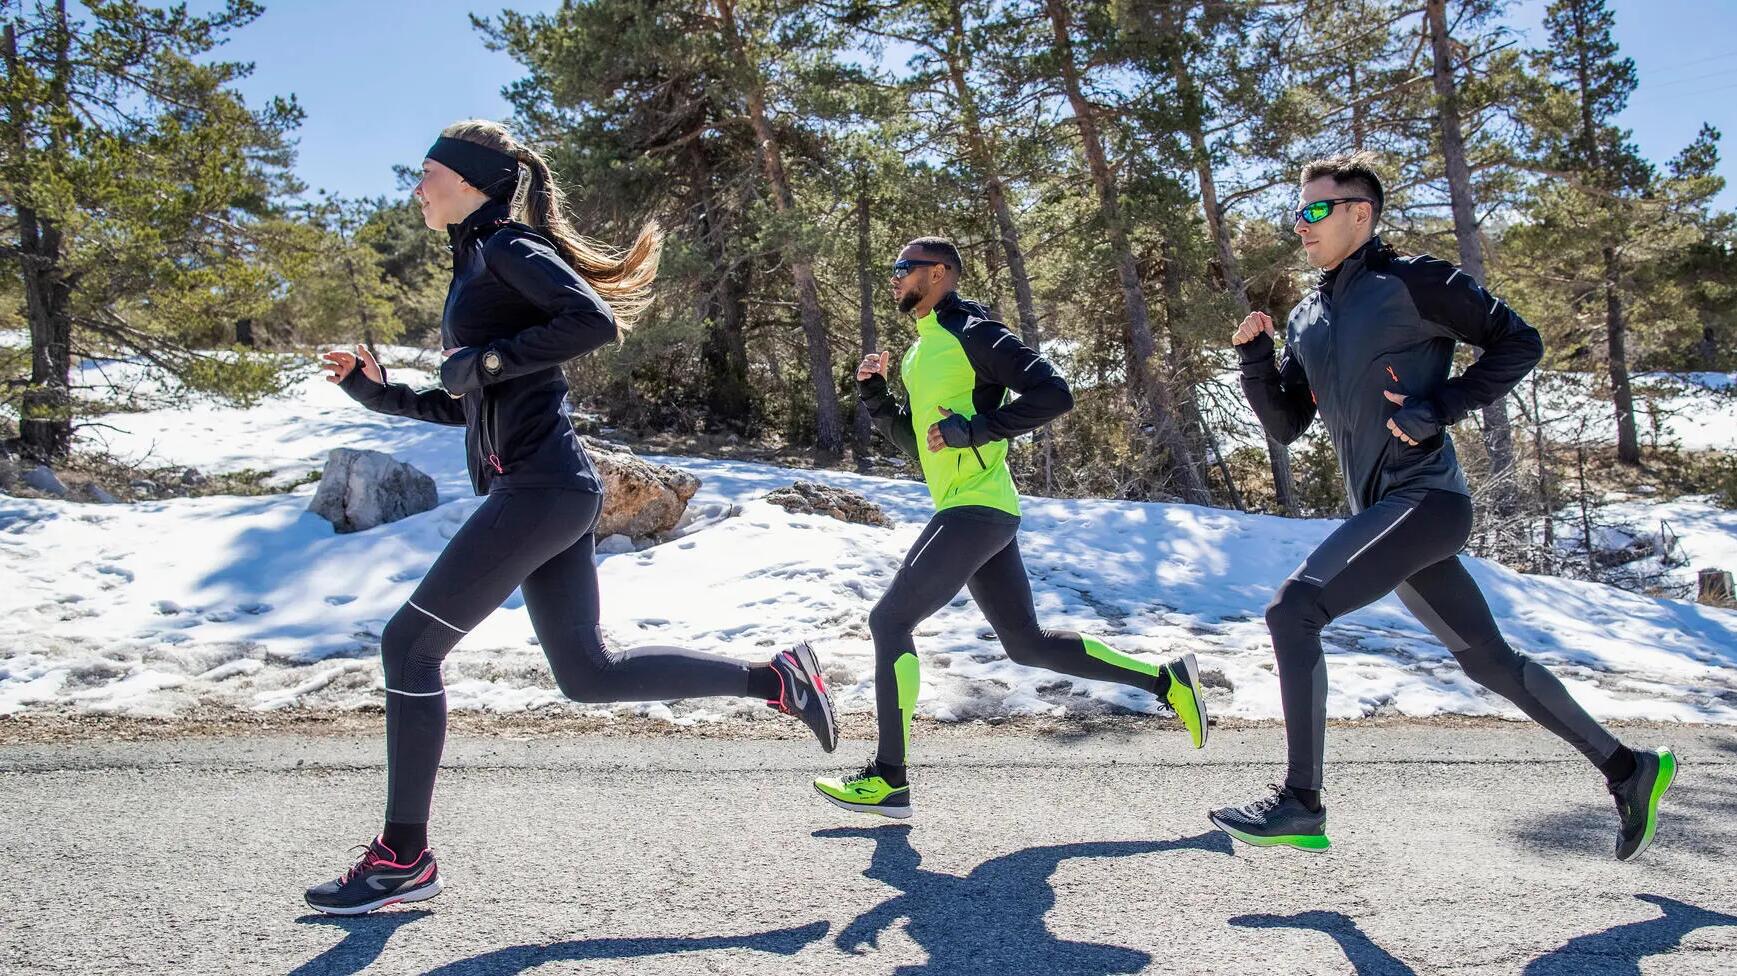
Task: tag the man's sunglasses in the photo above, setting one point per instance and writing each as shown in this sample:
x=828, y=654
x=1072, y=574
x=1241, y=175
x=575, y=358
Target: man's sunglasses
x=905, y=266
x=1314, y=213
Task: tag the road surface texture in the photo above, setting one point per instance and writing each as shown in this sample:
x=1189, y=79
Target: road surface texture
x=1458, y=847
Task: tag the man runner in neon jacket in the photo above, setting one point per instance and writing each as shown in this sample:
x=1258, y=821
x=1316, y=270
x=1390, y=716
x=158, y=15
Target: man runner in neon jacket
x=957, y=425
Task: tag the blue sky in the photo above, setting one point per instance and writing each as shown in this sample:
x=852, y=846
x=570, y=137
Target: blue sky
x=380, y=79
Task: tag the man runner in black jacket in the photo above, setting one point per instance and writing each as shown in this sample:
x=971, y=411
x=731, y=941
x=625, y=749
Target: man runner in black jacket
x=1368, y=350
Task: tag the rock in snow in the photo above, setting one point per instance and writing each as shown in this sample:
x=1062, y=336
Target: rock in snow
x=639, y=498
x=362, y=489
x=43, y=479
x=840, y=503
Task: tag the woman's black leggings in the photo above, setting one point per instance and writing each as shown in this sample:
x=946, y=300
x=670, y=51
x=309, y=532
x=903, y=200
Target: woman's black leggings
x=1411, y=543
x=541, y=540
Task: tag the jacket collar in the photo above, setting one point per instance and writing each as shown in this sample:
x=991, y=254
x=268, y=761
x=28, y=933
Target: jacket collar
x=1374, y=249
x=948, y=303
x=952, y=304
x=491, y=212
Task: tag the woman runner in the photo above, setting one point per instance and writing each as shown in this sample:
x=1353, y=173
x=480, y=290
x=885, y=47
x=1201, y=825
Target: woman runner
x=528, y=293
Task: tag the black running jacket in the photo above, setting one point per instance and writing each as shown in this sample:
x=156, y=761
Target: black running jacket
x=517, y=311
x=1381, y=322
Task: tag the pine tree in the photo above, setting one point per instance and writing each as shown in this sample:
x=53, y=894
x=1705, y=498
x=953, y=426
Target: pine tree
x=1594, y=210
x=1149, y=382
x=1450, y=106
x=131, y=175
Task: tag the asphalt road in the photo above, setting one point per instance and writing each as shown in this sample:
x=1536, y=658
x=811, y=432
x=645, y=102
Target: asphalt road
x=1457, y=849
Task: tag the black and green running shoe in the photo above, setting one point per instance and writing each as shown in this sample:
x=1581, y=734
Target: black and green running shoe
x=1278, y=819
x=867, y=792
x=1637, y=800
x=1184, y=696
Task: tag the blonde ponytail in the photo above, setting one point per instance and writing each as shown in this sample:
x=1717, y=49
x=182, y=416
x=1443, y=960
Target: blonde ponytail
x=622, y=278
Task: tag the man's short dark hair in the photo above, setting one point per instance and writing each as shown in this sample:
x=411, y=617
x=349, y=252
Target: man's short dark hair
x=1353, y=172
x=942, y=248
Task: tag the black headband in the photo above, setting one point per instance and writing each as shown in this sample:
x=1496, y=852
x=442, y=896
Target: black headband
x=489, y=170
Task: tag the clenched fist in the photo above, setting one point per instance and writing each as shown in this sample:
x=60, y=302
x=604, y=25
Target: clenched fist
x=1253, y=325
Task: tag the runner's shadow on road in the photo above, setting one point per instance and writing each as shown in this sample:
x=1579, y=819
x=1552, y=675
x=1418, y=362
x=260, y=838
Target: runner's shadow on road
x=990, y=921
x=1697, y=821
x=523, y=958
x=1368, y=958
x=1620, y=949
x=1726, y=745
x=364, y=939
x=367, y=936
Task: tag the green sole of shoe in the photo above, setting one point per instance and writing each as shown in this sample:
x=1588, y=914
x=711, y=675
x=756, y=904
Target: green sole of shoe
x=1302, y=842
x=1667, y=776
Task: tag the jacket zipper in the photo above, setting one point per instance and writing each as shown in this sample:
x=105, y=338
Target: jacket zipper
x=487, y=435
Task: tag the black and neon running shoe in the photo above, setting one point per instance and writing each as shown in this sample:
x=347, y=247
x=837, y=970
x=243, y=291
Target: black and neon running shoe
x=1185, y=697
x=1278, y=819
x=1637, y=800
x=376, y=880
x=867, y=792
x=803, y=693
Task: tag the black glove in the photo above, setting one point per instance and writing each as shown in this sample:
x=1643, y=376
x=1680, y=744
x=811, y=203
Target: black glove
x=1256, y=349
x=873, y=388
x=956, y=431
x=1419, y=419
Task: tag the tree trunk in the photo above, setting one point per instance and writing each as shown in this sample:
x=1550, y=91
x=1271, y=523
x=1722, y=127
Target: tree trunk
x=44, y=411
x=829, y=426
x=978, y=149
x=1153, y=389
x=1498, y=433
x=1546, y=506
x=1616, y=336
x=45, y=408
x=1200, y=439
x=1278, y=455
x=865, y=284
x=724, y=351
x=1359, y=129
x=1615, y=330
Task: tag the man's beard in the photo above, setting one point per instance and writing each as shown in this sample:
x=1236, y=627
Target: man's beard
x=909, y=301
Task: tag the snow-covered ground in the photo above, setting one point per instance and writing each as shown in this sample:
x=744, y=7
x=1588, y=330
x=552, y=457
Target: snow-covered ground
x=154, y=607
x=1682, y=536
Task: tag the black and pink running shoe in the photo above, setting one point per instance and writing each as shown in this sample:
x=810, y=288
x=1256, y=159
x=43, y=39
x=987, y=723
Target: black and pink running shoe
x=375, y=881
x=804, y=693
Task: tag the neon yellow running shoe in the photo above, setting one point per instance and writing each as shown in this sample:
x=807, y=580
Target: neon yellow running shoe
x=1637, y=800
x=1185, y=697
x=867, y=792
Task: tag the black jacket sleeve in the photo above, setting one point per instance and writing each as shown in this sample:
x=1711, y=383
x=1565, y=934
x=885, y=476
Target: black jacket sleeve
x=998, y=356
x=890, y=417
x=1453, y=305
x=1277, y=388
x=436, y=406
x=579, y=320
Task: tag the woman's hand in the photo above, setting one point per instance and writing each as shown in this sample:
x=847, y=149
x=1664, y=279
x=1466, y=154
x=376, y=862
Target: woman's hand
x=339, y=364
